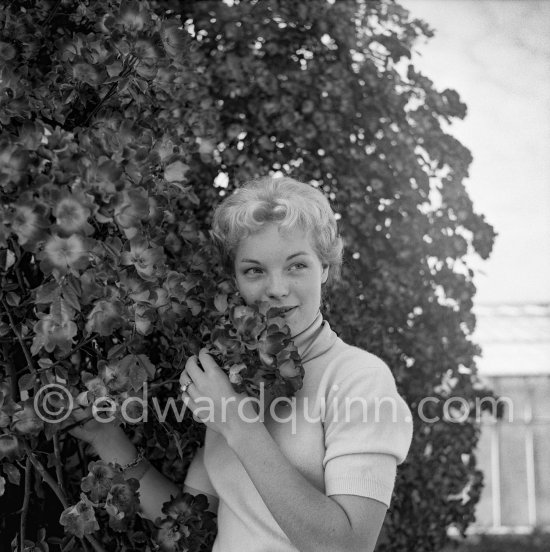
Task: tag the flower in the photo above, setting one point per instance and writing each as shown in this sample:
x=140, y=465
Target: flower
x=234, y=373
x=131, y=207
x=143, y=319
x=289, y=369
x=7, y=51
x=146, y=260
x=168, y=535
x=62, y=255
x=9, y=447
x=13, y=161
x=105, y=317
x=122, y=503
x=28, y=223
x=80, y=519
x=86, y=73
x=25, y=421
x=179, y=285
x=56, y=329
x=72, y=216
x=115, y=376
x=252, y=343
x=173, y=38
x=99, y=480
x=247, y=322
x=131, y=17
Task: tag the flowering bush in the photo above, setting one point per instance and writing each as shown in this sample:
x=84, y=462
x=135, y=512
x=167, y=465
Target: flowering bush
x=116, y=119
x=105, y=269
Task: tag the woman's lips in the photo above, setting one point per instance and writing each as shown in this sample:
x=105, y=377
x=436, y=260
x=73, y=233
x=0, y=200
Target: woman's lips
x=282, y=311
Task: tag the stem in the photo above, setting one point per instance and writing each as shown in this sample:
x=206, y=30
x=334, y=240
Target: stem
x=19, y=338
x=12, y=374
x=95, y=545
x=69, y=355
x=109, y=94
x=133, y=62
x=58, y=470
x=46, y=477
x=17, y=249
x=49, y=480
x=26, y=500
x=52, y=13
x=160, y=384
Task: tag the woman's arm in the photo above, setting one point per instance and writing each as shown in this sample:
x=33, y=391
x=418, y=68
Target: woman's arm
x=113, y=446
x=309, y=518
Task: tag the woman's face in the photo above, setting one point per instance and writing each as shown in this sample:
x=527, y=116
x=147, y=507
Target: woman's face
x=282, y=268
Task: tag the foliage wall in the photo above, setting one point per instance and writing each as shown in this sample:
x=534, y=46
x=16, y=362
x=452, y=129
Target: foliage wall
x=117, y=121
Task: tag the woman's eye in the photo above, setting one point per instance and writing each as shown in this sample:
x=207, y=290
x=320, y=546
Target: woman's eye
x=298, y=266
x=253, y=271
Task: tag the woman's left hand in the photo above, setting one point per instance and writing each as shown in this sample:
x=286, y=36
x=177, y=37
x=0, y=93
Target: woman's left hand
x=209, y=394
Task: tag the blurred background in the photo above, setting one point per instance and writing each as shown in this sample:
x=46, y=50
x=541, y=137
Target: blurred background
x=496, y=55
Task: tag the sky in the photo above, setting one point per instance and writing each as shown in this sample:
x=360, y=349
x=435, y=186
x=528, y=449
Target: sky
x=496, y=55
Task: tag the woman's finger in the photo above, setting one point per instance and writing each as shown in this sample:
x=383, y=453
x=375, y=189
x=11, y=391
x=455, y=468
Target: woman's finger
x=194, y=407
x=207, y=360
x=194, y=371
x=184, y=378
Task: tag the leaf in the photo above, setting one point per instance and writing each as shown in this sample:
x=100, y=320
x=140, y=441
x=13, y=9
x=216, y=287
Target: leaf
x=26, y=382
x=147, y=365
x=176, y=171
x=71, y=298
x=48, y=292
x=45, y=362
x=135, y=370
x=220, y=302
x=13, y=473
x=12, y=299
x=116, y=350
x=7, y=259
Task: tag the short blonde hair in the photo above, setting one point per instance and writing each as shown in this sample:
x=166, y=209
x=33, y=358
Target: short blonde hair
x=286, y=202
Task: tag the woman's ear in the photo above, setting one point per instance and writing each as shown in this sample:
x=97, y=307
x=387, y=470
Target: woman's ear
x=324, y=274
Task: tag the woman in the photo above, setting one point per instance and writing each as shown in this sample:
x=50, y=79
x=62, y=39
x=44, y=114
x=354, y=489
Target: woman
x=316, y=473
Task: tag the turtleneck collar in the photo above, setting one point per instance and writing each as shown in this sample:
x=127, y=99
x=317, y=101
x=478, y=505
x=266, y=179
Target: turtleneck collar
x=315, y=340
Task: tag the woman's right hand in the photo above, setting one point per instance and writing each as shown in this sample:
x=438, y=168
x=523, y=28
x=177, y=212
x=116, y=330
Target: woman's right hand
x=88, y=428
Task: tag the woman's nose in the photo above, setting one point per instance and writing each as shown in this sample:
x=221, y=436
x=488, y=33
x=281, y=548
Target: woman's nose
x=277, y=286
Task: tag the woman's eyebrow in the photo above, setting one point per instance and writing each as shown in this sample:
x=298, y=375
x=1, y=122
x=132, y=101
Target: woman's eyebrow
x=249, y=261
x=254, y=261
x=296, y=255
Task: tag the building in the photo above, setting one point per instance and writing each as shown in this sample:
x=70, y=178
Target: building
x=514, y=452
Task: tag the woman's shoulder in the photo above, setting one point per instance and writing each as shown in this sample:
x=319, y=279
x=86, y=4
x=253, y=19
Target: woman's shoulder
x=352, y=365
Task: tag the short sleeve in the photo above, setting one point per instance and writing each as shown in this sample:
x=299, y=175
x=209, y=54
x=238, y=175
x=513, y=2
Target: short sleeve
x=367, y=427
x=197, y=476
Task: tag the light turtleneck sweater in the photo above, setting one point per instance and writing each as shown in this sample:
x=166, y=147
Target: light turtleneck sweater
x=345, y=430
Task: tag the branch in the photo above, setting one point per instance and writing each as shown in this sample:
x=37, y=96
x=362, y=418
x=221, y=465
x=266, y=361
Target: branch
x=19, y=338
x=95, y=545
x=57, y=455
x=17, y=250
x=48, y=479
x=70, y=354
x=52, y=13
x=12, y=374
x=25, y=507
x=132, y=63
